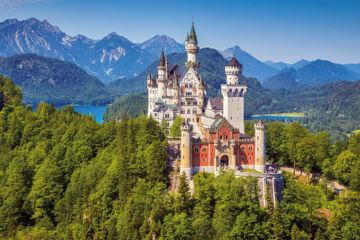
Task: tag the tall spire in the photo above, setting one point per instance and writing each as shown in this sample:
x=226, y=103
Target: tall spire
x=162, y=58
x=192, y=37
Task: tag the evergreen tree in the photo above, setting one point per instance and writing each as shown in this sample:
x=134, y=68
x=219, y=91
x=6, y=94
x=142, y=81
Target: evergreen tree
x=183, y=202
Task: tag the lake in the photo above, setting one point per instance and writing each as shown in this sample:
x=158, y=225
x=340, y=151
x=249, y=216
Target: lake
x=97, y=111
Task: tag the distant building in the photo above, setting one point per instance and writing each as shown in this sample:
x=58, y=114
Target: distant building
x=212, y=134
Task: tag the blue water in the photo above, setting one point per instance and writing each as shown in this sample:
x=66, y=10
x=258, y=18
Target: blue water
x=97, y=111
x=275, y=118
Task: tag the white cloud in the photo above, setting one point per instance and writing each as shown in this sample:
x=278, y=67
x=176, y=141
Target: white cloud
x=18, y=2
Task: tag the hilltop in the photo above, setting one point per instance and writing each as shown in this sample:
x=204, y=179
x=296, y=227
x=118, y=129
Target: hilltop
x=51, y=80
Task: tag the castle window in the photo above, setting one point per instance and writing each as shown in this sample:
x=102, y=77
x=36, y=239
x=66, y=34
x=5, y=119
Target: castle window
x=212, y=149
x=203, y=149
x=226, y=137
x=196, y=160
x=243, y=158
x=250, y=148
x=212, y=138
x=194, y=111
x=220, y=137
x=242, y=148
x=204, y=160
x=188, y=111
x=250, y=158
x=196, y=150
x=167, y=124
x=167, y=115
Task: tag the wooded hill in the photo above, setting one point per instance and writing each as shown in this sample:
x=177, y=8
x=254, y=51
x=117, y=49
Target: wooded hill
x=65, y=176
x=51, y=80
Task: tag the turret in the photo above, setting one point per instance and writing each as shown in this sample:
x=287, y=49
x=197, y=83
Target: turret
x=186, y=149
x=233, y=71
x=148, y=80
x=161, y=80
x=192, y=48
x=260, y=146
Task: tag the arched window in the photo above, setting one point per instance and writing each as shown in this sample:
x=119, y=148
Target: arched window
x=194, y=111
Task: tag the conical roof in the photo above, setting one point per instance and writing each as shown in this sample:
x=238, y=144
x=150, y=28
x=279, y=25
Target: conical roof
x=192, y=36
x=233, y=62
x=162, y=58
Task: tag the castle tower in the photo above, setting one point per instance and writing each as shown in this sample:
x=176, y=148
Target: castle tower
x=233, y=71
x=186, y=149
x=260, y=146
x=161, y=80
x=192, y=49
x=233, y=95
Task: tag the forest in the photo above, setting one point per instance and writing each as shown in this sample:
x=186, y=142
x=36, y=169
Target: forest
x=64, y=176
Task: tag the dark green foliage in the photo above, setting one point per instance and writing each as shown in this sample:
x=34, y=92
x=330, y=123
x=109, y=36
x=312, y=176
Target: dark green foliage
x=175, y=130
x=64, y=176
x=50, y=80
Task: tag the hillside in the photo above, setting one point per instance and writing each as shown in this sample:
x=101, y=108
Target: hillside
x=286, y=78
x=51, y=80
x=132, y=106
x=315, y=73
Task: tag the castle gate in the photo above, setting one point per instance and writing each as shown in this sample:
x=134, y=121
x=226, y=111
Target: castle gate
x=224, y=161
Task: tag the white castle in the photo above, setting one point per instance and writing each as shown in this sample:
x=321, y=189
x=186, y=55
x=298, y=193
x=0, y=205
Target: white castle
x=171, y=94
x=212, y=134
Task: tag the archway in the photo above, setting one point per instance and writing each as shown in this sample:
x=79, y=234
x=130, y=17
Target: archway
x=224, y=161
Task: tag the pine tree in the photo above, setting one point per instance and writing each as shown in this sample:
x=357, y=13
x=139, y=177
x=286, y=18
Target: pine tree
x=183, y=201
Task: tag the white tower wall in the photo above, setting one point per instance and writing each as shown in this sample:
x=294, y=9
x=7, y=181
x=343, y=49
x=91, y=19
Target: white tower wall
x=260, y=146
x=186, y=150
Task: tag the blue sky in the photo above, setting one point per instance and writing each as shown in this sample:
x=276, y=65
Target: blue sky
x=283, y=30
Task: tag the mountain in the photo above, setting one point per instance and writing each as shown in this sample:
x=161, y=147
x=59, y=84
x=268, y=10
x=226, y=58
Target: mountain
x=110, y=58
x=321, y=72
x=315, y=73
x=286, y=78
x=355, y=67
x=252, y=67
x=51, y=80
x=158, y=42
x=299, y=64
x=277, y=65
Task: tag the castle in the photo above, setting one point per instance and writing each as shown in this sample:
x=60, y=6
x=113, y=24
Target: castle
x=213, y=133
